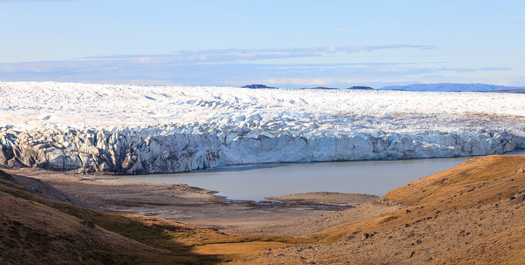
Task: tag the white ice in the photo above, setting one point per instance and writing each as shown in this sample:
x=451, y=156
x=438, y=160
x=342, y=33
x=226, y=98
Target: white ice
x=274, y=125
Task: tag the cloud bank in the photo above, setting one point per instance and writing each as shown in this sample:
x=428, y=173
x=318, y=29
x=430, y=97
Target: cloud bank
x=232, y=67
x=234, y=55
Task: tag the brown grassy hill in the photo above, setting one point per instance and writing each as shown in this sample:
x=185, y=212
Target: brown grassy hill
x=476, y=182
x=36, y=230
x=471, y=214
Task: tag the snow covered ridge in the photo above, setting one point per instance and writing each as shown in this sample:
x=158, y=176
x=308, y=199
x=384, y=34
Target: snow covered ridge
x=149, y=129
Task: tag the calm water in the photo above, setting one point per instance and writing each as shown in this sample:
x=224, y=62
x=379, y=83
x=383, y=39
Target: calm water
x=260, y=181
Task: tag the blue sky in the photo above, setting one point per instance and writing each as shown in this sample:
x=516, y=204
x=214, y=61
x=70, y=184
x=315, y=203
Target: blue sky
x=279, y=43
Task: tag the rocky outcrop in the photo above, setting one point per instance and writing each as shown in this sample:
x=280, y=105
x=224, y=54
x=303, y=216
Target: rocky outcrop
x=163, y=150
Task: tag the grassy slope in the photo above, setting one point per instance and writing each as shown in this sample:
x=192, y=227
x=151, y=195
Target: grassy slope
x=148, y=240
x=478, y=181
x=475, y=182
x=35, y=230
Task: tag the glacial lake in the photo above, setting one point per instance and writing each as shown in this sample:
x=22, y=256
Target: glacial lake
x=255, y=182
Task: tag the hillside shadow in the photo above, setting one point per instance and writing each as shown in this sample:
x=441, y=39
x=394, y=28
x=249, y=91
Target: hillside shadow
x=68, y=233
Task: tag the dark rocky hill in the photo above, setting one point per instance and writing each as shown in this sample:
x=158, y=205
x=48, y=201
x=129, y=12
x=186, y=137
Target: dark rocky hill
x=258, y=86
x=361, y=87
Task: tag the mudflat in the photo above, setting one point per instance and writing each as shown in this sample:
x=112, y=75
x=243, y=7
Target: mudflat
x=294, y=215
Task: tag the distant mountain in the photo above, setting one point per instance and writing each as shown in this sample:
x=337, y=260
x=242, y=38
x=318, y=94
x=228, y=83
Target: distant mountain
x=361, y=87
x=517, y=91
x=321, y=87
x=257, y=86
x=333, y=88
x=451, y=87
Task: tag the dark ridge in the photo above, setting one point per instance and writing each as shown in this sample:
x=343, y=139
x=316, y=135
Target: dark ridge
x=361, y=87
x=518, y=91
x=320, y=87
x=258, y=86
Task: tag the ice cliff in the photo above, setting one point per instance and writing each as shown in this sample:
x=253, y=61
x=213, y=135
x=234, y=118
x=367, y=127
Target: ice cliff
x=149, y=129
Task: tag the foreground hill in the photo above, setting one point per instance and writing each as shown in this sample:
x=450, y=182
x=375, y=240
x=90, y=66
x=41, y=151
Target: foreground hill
x=471, y=214
x=38, y=230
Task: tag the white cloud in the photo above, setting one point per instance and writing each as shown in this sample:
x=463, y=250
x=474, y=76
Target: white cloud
x=238, y=67
x=300, y=81
x=236, y=55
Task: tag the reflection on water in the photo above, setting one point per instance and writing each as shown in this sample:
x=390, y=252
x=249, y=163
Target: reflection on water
x=254, y=182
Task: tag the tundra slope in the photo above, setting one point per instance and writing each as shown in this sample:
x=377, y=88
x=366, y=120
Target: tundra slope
x=150, y=129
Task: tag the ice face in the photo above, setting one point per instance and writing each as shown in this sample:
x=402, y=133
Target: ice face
x=147, y=129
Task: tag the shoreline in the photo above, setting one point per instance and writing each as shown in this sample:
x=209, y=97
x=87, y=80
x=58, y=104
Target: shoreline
x=294, y=215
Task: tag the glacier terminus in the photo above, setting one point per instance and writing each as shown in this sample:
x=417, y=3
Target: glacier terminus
x=131, y=129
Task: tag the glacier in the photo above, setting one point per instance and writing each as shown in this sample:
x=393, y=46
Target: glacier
x=163, y=129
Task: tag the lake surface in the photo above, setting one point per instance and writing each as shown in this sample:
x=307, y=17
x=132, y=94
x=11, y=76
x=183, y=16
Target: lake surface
x=255, y=182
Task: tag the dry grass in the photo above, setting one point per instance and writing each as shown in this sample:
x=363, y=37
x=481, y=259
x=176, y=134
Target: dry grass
x=505, y=248
x=238, y=248
x=471, y=214
x=41, y=231
x=476, y=182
